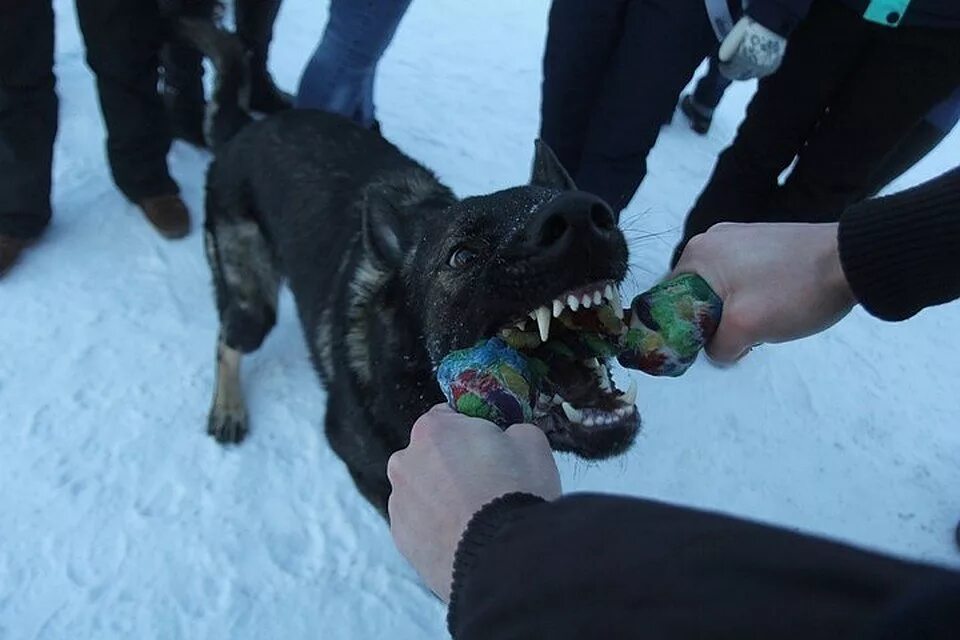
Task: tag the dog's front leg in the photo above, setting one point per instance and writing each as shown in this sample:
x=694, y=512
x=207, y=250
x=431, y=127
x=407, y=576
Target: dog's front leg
x=228, y=416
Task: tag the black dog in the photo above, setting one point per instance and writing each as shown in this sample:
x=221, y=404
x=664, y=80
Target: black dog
x=390, y=272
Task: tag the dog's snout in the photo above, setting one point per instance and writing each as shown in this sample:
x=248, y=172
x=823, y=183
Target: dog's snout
x=575, y=214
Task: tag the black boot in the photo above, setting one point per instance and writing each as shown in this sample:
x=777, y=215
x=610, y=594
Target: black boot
x=182, y=80
x=700, y=117
x=254, y=19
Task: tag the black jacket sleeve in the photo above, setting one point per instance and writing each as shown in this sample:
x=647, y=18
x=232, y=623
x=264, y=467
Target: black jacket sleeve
x=780, y=16
x=901, y=253
x=589, y=566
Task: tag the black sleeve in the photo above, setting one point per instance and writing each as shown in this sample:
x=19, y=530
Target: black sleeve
x=780, y=16
x=589, y=566
x=901, y=253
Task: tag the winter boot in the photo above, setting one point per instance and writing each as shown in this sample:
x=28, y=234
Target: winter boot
x=700, y=117
x=168, y=215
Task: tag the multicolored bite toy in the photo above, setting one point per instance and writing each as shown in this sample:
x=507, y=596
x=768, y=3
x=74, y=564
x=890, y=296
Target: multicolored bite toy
x=665, y=329
x=668, y=326
x=491, y=381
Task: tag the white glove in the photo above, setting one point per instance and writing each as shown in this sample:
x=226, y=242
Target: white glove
x=750, y=50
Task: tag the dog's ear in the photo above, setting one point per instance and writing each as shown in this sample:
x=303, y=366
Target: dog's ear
x=383, y=229
x=547, y=170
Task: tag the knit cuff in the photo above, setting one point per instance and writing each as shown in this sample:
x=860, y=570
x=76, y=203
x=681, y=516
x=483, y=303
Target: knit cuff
x=899, y=253
x=774, y=16
x=486, y=524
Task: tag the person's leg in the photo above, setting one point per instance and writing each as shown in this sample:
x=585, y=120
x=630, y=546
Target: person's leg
x=339, y=75
x=663, y=42
x=582, y=37
x=712, y=85
x=254, y=20
x=918, y=142
x=906, y=73
x=123, y=40
x=788, y=105
x=28, y=117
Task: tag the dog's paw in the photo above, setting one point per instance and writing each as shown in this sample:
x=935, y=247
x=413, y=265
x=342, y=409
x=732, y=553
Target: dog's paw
x=227, y=426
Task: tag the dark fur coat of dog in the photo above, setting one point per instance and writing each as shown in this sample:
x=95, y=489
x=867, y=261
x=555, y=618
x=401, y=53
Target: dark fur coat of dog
x=390, y=271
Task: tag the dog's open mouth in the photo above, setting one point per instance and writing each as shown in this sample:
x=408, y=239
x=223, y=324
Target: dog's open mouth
x=569, y=342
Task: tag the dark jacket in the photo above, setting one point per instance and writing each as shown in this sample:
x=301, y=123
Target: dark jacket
x=782, y=16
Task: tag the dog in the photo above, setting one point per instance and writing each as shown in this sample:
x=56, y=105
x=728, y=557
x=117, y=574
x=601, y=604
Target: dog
x=391, y=271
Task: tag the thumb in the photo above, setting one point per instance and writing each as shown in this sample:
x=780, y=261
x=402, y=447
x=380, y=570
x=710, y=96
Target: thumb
x=732, y=42
x=731, y=342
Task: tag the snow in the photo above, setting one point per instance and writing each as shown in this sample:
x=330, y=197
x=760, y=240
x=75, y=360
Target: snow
x=121, y=518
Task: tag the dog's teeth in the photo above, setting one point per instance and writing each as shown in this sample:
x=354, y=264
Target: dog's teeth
x=608, y=292
x=586, y=301
x=593, y=363
x=616, y=303
x=533, y=315
x=543, y=322
x=557, y=308
x=573, y=302
x=557, y=399
x=573, y=415
x=521, y=324
x=589, y=422
x=630, y=397
x=597, y=298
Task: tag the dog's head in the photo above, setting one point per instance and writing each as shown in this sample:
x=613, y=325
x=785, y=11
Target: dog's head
x=539, y=265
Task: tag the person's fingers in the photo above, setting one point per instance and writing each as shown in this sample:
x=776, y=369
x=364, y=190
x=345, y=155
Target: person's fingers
x=732, y=42
x=529, y=436
x=731, y=341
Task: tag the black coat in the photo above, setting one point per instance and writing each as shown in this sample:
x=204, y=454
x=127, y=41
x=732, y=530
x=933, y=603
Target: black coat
x=782, y=16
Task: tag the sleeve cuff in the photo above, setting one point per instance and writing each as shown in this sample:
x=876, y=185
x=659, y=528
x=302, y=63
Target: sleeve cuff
x=486, y=525
x=899, y=252
x=773, y=16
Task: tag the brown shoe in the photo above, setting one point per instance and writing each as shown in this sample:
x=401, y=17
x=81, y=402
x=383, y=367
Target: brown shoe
x=10, y=250
x=167, y=214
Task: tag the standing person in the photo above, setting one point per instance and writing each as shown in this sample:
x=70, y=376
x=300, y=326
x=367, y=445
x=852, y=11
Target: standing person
x=340, y=74
x=480, y=515
x=856, y=78
x=698, y=107
x=182, y=65
x=122, y=40
x=613, y=71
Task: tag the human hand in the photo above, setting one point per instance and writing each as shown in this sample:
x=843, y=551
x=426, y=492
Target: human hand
x=453, y=466
x=778, y=282
x=750, y=50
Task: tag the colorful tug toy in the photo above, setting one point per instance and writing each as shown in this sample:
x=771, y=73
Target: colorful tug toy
x=664, y=330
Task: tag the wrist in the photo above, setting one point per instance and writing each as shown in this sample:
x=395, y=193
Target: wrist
x=831, y=267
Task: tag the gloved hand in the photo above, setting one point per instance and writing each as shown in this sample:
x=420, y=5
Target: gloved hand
x=750, y=50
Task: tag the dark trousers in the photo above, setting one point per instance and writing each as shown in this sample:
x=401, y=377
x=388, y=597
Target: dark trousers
x=847, y=93
x=28, y=116
x=122, y=40
x=711, y=87
x=612, y=73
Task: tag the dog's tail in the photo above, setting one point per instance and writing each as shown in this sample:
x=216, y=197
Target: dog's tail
x=226, y=110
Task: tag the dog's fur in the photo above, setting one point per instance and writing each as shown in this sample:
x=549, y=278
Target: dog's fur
x=364, y=237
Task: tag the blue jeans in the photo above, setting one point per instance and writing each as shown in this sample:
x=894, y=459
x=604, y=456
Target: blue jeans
x=339, y=75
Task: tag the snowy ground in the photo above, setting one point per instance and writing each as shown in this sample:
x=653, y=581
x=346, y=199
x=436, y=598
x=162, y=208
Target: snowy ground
x=122, y=519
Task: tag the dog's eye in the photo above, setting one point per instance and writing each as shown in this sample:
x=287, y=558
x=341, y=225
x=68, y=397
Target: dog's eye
x=461, y=257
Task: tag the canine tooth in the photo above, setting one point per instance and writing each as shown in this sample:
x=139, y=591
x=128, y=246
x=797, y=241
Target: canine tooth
x=608, y=292
x=597, y=297
x=543, y=322
x=630, y=397
x=573, y=415
x=573, y=302
x=557, y=308
x=586, y=301
x=616, y=304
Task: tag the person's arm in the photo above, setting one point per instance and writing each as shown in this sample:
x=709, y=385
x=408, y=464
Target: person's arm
x=901, y=253
x=894, y=255
x=780, y=16
x=592, y=566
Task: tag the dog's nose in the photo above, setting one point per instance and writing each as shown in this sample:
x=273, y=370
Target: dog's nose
x=573, y=214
